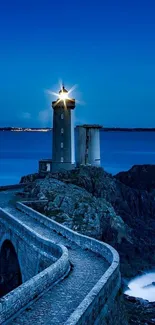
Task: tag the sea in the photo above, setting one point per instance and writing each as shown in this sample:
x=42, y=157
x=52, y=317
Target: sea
x=21, y=151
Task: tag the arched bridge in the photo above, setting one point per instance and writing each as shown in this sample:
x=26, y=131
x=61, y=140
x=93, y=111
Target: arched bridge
x=50, y=274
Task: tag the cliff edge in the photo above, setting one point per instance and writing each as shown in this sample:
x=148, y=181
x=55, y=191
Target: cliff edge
x=93, y=202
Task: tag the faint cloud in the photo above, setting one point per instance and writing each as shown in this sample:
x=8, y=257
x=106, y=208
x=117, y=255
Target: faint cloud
x=26, y=115
x=45, y=116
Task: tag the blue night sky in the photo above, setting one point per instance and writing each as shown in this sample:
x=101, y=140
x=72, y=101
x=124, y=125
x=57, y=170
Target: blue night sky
x=106, y=47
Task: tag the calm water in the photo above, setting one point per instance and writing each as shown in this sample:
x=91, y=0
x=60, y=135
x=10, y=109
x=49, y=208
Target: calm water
x=20, y=152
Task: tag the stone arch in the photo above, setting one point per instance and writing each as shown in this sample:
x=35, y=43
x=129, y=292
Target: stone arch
x=10, y=273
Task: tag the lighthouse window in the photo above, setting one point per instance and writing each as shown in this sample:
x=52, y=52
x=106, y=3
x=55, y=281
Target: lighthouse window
x=62, y=116
x=62, y=145
x=62, y=130
x=62, y=159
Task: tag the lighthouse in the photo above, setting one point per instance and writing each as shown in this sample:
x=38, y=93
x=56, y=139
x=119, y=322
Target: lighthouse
x=63, y=147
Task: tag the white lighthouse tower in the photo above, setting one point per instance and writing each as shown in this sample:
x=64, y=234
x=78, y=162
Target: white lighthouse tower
x=63, y=147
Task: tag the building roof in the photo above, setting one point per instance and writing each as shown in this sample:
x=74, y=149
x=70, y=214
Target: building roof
x=91, y=126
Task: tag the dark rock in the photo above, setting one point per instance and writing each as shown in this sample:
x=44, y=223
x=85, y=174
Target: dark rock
x=141, y=177
x=114, y=209
x=140, y=311
x=101, y=206
x=135, y=207
x=149, y=285
x=30, y=178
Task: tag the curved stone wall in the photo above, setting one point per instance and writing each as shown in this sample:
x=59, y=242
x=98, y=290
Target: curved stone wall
x=13, y=230
x=94, y=309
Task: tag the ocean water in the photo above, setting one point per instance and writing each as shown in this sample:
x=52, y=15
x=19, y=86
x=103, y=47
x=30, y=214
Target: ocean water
x=142, y=287
x=20, y=152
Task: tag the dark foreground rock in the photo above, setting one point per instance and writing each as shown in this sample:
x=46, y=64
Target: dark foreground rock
x=141, y=177
x=29, y=178
x=141, y=312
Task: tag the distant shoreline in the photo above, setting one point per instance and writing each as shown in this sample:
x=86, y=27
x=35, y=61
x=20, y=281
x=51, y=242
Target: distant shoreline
x=106, y=129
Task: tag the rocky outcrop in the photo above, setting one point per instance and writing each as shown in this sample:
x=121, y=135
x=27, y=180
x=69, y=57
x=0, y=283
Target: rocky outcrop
x=94, y=202
x=141, y=177
x=29, y=178
x=135, y=207
x=77, y=208
x=119, y=210
x=141, y=312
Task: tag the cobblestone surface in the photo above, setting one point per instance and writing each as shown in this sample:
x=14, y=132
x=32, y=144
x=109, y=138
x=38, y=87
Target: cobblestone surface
x=57, y=304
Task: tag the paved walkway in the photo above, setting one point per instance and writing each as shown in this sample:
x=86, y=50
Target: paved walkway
x=57, y=304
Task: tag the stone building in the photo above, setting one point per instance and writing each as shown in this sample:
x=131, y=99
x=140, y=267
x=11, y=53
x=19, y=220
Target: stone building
x=63, y=149
x=63, y=146
x=88, y=145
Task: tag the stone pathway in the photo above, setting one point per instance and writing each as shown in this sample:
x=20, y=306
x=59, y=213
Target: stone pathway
x=57, y=304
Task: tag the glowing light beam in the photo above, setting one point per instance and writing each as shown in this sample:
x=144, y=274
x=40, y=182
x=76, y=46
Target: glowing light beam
x=64, y=95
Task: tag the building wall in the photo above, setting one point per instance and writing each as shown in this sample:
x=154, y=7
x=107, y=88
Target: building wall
x=45, y=166
x=72, y=138
x=81, y=146
x=94, y=147
x=88, y=146
x=64, y=138
x=61, y=166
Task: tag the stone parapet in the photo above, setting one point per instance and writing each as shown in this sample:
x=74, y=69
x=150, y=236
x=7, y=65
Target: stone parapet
x=96, y=306
x=32, y=288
